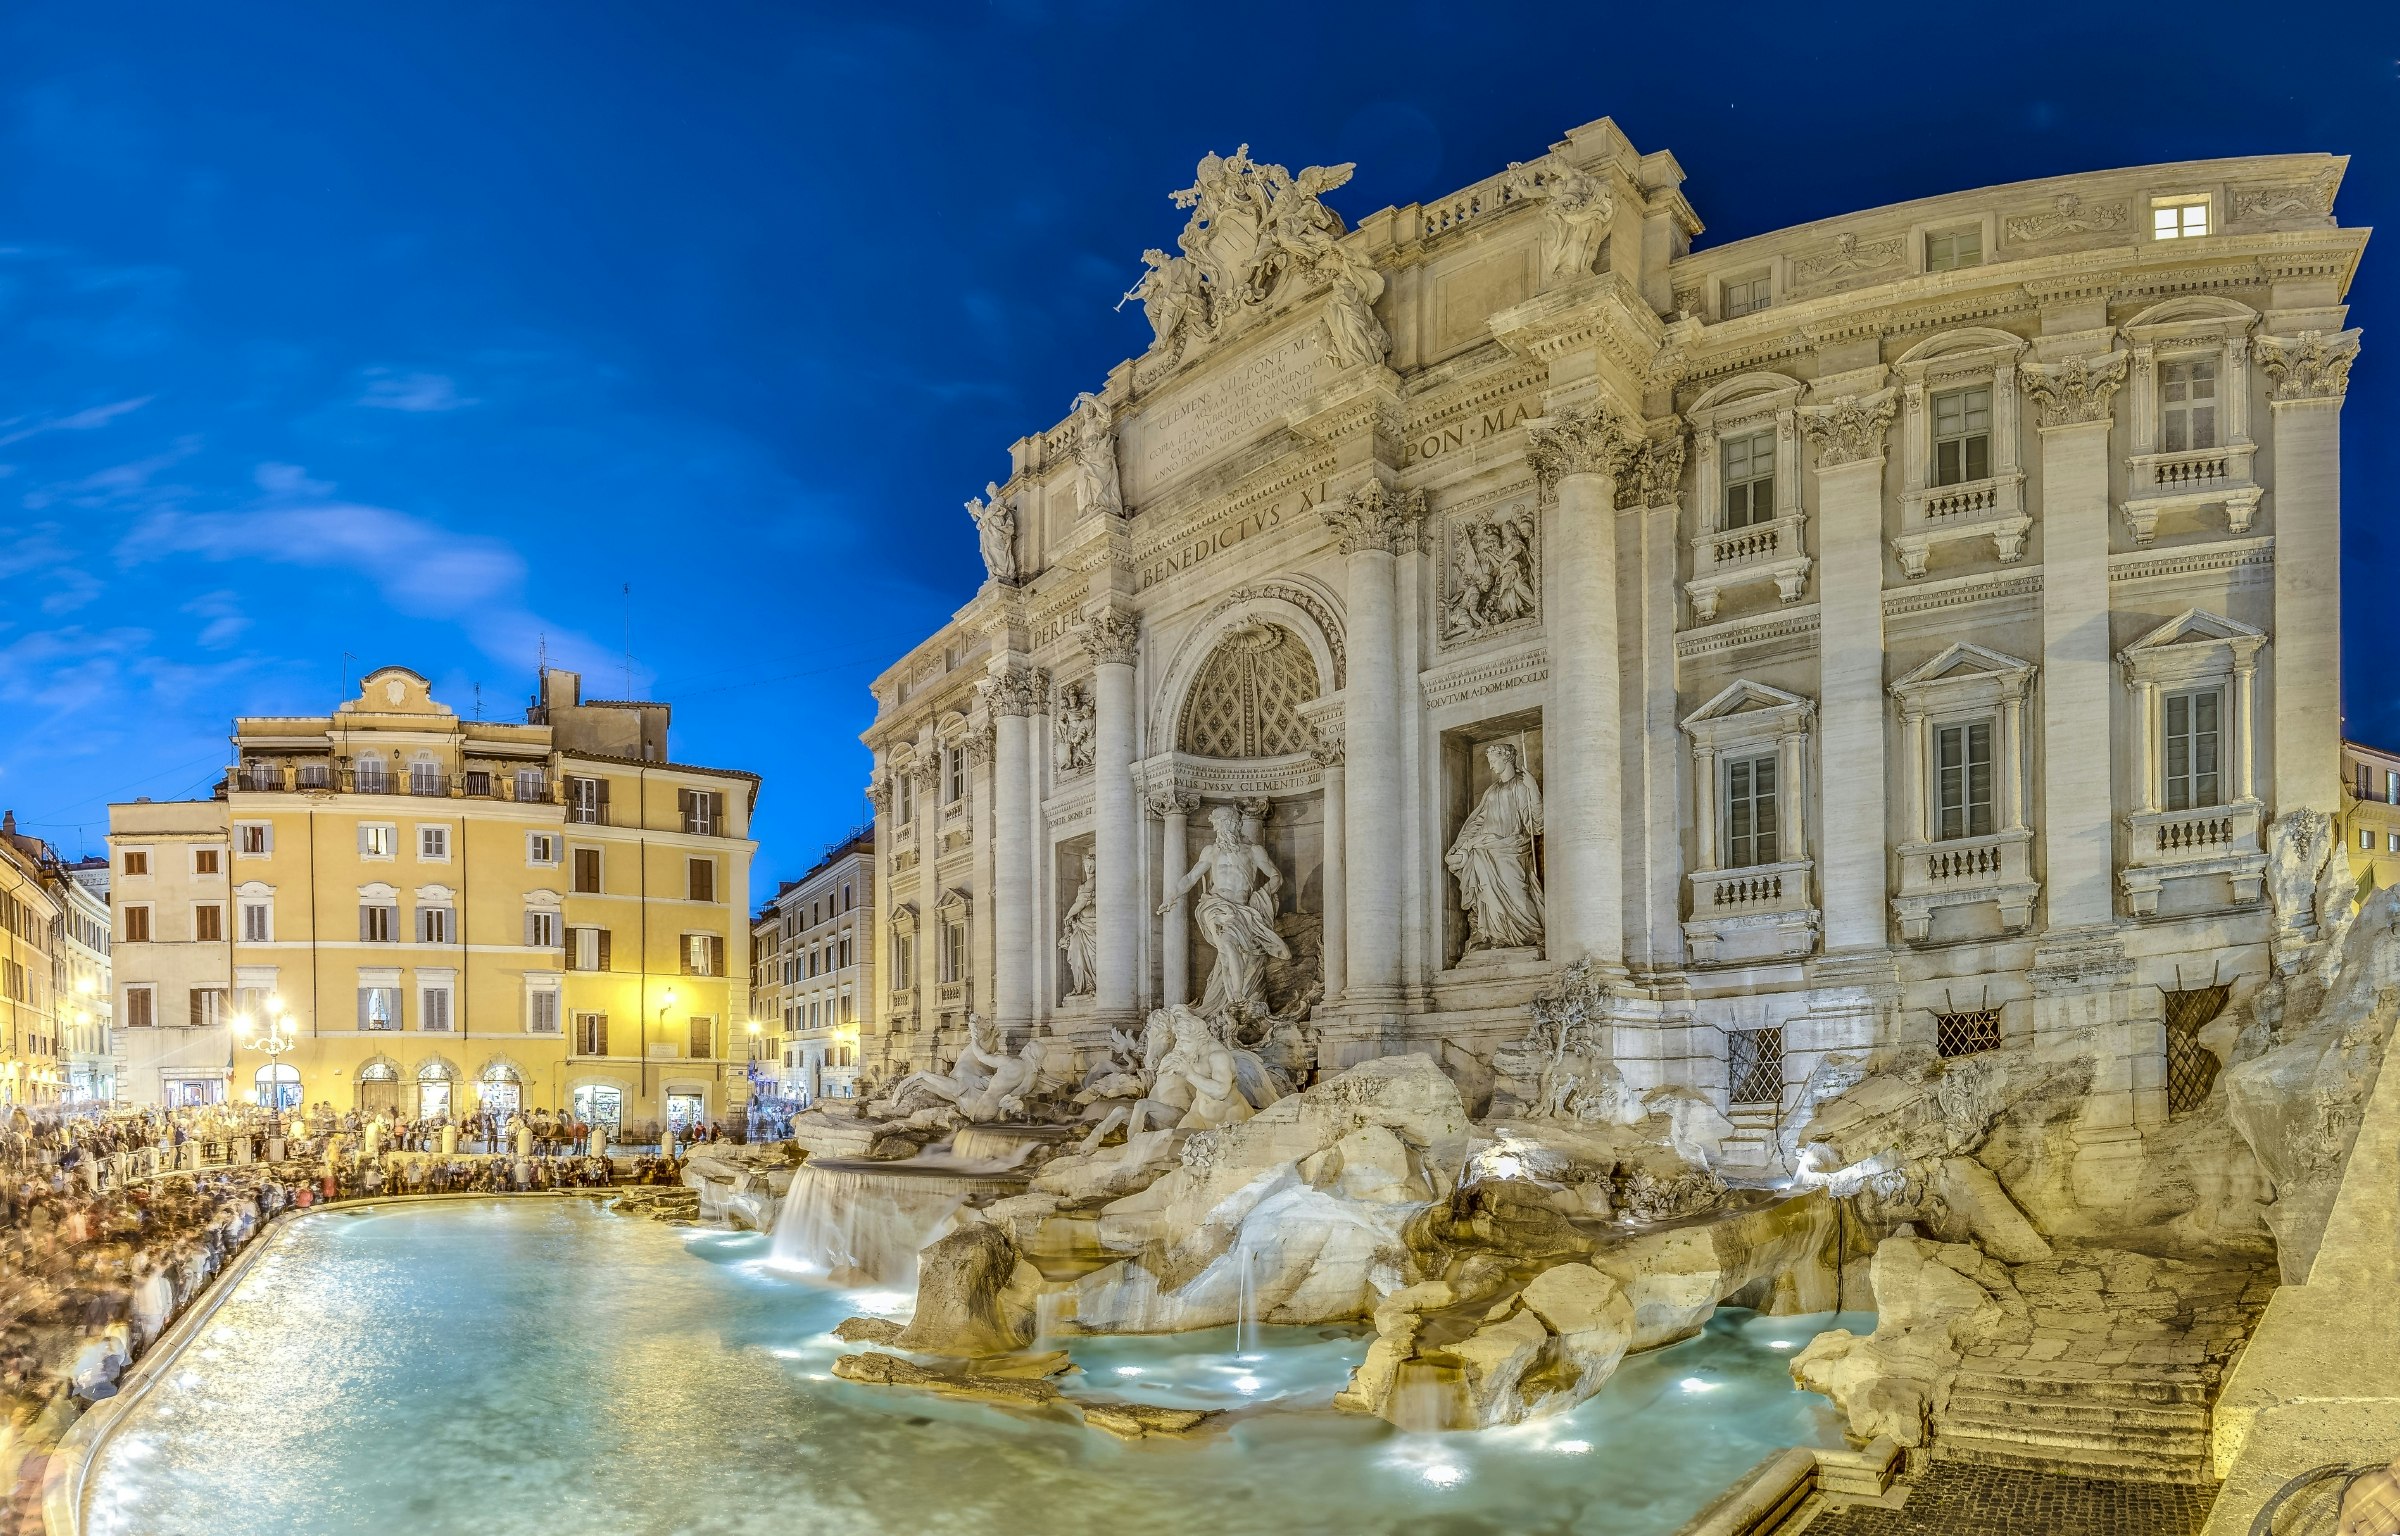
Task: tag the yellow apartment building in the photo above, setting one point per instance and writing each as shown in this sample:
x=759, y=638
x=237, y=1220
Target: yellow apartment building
x=2371, y=815
x=436, y=915
x=32, y=967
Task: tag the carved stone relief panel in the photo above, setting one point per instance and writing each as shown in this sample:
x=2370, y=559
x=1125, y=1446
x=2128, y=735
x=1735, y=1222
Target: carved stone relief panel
x=1491, y=573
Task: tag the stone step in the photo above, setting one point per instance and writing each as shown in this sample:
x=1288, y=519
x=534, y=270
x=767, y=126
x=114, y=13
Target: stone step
x=2107, y=1389
x=2072, y=1461
x=2010, y=1410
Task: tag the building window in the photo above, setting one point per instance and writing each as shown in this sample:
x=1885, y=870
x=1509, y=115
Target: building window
x=591, y=1034
x=904, y=961
x=954, y=952
x=586, y=800
x=847, y=903
x=2191, y=1066
x=704, y=1037
x=208, y=923
x=316, y=776
x=207, y=1007
x=1749, y=468
x=424, y=777
x=703, y=954
x=702, y=875
x=137, y=925
x=2187, y=403
x=253, y=839
x=904, y=798
x=1962, y=780
x=2366, y=839
x=541, y=1010
x=369, y=776
x=258, y=922
x=1953, y=249
x=433, y=1009
x=434, y=843
x=379, y=1008
x=1962, y=435
x=137, y=861
x=703, y=810
x=587, y=949
x=2192, y=757
x=541, y=930
x=2178, y=218
x=376, y=840
x=1750, y=821
x=141, y=1007
x=1754, y=1065
x=377, y=924
x=541, y=847
x=207, y=861
x=2392, y=843
x=2391, y=789
x=587, y=871
x=532, y=784
x=954, y=775
x=433, y=925
x=1967, y=1034
x=1748, y=296
x=479, y=782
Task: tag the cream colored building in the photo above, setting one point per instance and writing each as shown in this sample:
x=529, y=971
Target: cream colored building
x=33, y=971
x=88, y=1006
x=450, y=913
x=814, y=972
x=2371, y=814
x=1922, y=626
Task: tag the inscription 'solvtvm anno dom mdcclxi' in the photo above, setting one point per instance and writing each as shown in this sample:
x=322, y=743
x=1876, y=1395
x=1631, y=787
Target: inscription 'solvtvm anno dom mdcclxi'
x=1800, y=646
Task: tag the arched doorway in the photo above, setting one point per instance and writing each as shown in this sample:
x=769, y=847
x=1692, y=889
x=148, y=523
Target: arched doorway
x=379, y=1089
x=600, y=1104
x=433, y=1090
x=500, y=1090
x=278, y=1086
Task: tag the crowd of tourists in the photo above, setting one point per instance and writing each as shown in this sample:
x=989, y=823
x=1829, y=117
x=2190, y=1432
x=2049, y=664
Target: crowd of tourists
x=113, y=1220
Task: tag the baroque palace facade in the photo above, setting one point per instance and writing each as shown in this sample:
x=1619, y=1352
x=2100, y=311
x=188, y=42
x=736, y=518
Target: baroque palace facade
x=1916, y=627
x=444, y=914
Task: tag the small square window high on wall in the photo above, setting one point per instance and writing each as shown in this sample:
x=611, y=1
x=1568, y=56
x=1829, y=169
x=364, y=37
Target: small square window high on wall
x=2178, y=218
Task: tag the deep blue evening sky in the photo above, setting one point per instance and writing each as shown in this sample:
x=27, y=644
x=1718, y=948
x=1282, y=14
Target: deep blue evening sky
x=416, y=332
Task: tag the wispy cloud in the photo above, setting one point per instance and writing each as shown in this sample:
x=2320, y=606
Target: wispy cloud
x=84, y=420
x=225, y=620
x=390, y=391
x=71, y=589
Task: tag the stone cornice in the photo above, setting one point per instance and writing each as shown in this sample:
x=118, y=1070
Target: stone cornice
x=1780, y=628
x=2160, y=565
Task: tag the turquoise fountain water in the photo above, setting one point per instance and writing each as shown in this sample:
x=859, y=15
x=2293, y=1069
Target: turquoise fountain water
x=526, y=1368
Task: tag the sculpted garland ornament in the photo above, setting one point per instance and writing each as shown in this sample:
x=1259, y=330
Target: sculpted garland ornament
x=1850, y=428
x=2076, y=392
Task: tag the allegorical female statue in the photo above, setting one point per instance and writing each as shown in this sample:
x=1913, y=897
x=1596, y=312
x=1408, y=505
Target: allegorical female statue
x=995, y=534
x=1080, y=935
x=1492, y=858
x=1236, y=914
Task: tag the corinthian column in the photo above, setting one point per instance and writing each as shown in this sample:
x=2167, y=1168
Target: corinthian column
x=2311, y=373
x=1109, y=637
x=1373, y=525
x=2071, y=404
x=1012, y=694
x=1174, y=808
x=1849, y=435
x=1577, y=454
x=1333, y=964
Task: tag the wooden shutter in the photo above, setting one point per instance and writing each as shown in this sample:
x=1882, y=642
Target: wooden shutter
x=366, y=917
x=199, y=1005
x=716, y=954
x=703, y=886
x=601, y=788
x=362, y=1008
x=529, y=933
x=604, y=949
x=684, y=807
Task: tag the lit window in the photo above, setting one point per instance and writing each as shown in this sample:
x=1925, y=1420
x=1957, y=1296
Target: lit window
x=541, y=930
x=1747, y=296
x=379, y=1008
x=2178, y=218
x=1749, y=479
x=374, y=840
x=2187, y=403
x=252, y=838
x=531, y=784
x=541, y=848
x=1956, y=248
x=1962, y=435
x=1750, y=819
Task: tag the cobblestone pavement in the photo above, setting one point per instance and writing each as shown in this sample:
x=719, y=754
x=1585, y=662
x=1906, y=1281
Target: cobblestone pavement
x=1955, y=1499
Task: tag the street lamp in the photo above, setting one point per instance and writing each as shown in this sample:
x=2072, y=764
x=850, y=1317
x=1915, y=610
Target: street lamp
x=273, y=1044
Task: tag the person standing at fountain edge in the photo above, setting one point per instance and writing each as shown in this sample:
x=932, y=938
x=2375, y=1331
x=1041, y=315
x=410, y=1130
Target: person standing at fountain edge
x=1492, y=858
x=1236, y=915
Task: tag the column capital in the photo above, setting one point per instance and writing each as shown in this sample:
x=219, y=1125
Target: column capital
x=1168, y=800
x=1655, y=476
x=2076, y=392
x=1014, y=688
x=1110, y=635
x=2311, y=366
x=1849, y=429
x=879, y=791
x=1375, y=517
x=1581, y=440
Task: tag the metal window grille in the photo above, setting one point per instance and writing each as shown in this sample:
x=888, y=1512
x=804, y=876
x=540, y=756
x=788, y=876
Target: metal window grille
x=1754, y=1065
x=2191, y=1066
x=1967, y=1034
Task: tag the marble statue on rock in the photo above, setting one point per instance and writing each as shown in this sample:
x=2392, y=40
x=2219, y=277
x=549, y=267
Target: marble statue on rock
x=1097, y=488
x=1196, y=1085
x=996, y=534
x=978, y=1060
x=1236, y=914
x=1079, y=934
x=1492, y=858
x=1574, y=223
x=1073, y=729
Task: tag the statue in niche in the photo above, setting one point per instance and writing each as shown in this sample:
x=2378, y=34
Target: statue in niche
x=1491, y=576
x=1236, y=914
x=1072, y=731
x=1352, y=333
x=1196, y=1085
x=1574, y=223
x=1492, y=858
x=1079, y=935
x=996, y=533
x=1096, y=485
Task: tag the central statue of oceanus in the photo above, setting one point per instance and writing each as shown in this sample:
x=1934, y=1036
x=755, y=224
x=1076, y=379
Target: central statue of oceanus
x=1236, y=914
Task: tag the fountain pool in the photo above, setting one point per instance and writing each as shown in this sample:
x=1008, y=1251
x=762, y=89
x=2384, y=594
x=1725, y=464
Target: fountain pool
x=532, y=1366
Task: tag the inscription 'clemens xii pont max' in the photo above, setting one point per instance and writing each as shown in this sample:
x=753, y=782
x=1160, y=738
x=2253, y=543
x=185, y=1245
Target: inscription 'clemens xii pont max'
x=1192, y=426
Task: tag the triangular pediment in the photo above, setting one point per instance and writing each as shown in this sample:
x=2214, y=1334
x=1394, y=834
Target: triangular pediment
x=953, y=900
x=1964, y=659
x=1745, y=697
x=2194, y=626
